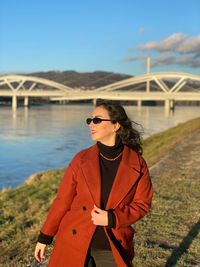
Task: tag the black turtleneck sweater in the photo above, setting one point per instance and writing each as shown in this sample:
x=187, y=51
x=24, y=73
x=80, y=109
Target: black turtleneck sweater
x=108, y=172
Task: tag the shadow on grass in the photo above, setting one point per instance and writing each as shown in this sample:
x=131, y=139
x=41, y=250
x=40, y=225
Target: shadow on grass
x=184, y=245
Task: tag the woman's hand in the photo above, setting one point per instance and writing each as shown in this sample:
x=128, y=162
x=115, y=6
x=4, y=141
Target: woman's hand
x=99, y=216
x=39, y=251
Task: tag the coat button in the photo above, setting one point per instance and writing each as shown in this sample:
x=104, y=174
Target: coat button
x=74, y=231
x=84, y=208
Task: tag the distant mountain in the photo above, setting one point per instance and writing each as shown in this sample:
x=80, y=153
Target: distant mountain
x=83, y=80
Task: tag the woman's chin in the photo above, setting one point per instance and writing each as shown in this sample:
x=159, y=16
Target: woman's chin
x=94, y=138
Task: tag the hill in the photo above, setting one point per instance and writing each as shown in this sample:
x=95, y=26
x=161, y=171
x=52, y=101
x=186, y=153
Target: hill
x=84, y=80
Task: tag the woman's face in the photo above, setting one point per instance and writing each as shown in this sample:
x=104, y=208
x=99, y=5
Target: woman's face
x=105, y=131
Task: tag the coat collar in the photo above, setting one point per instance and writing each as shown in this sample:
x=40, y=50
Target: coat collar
x=127, y=174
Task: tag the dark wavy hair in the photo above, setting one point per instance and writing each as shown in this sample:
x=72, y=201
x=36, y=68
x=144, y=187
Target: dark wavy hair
x=129, y=135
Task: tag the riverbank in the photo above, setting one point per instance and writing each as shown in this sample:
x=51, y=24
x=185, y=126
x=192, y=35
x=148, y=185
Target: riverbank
x=168, y=234
x=46, y=137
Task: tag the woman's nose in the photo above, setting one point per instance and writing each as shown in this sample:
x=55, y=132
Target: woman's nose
x=91, y=124
x=92, y=127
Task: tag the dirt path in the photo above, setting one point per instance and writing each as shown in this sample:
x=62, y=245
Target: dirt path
x=184, y=158
x=176, y=180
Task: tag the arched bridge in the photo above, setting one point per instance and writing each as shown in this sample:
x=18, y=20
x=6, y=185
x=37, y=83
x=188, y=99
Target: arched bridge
x=161, y=86
x=178, y=81
x=30, y=86
x=27, y=85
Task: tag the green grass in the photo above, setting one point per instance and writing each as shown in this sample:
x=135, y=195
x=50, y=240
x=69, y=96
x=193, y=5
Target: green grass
x=23, y=210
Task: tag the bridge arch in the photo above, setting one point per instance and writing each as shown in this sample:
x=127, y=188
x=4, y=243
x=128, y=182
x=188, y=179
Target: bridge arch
x=17, y=83
x=179, y=79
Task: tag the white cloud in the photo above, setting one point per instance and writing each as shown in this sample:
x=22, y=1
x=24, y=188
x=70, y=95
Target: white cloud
x=177, y=42
x=177, y=49
x=168, y=59
x=168, y=44
x=190, y=45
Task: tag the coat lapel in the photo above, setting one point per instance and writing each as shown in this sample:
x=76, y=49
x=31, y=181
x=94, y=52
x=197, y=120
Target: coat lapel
x=127, y=175
x=91, y=171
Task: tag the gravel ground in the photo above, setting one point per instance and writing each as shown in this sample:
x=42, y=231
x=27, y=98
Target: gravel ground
x=183, y=158
x=176, y=179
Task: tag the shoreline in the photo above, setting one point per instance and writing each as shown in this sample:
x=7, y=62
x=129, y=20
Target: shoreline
x=146, y=143
x=45, y=144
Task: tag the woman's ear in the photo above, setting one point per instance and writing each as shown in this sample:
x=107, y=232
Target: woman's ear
x=116, y=126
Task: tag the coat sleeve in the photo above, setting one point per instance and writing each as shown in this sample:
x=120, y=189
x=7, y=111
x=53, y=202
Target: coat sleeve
x=128, y=214
x=61, y=203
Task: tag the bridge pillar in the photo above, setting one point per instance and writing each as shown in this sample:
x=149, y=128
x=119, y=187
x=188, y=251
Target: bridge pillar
x=172, y=104
x=139, y=103
x=14, y=102
x=94, y=101
x=169, y=104
x=26, y=102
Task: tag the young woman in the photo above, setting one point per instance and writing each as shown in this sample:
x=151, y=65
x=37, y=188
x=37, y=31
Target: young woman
x=105, y=189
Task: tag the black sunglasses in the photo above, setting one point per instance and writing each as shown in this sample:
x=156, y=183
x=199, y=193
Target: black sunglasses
x=97, y=120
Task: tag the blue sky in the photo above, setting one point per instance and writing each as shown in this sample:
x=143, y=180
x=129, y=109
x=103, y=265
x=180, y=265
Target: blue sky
x=107, y=35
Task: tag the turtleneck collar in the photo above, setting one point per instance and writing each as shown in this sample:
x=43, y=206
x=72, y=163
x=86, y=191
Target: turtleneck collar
x=111, y=151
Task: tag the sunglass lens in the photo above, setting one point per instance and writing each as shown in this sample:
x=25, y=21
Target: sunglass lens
x=88, y=120
x=94, y=120
x=97, y=120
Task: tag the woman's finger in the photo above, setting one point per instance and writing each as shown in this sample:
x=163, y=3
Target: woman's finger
x=93, y=213
x=42, y=254
x=98, y=210
x=37, y=255
x=39, y=252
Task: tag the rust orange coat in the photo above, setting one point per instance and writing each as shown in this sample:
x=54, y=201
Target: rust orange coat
x=69, y=218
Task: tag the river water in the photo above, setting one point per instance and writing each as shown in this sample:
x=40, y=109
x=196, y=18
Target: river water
x=47, y=136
